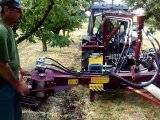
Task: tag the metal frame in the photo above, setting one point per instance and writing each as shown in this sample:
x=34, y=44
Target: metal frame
x=45, y=82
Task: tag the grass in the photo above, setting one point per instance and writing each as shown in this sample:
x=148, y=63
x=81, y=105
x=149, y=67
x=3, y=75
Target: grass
x=74, y=103
x=123, y=106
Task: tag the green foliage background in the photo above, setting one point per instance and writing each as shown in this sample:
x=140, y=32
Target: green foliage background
x=151, y=11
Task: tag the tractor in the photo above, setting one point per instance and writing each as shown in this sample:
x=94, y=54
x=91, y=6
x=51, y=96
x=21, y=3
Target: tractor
x=112, y=59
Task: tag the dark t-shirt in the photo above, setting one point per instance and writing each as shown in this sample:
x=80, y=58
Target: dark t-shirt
x=8, y=48
x=9, y=103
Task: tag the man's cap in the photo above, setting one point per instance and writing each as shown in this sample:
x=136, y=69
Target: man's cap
x=12, y=4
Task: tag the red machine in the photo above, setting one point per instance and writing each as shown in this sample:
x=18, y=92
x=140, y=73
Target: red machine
x=115, y=60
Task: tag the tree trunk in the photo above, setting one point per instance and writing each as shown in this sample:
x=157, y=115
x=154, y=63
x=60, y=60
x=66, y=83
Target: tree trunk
x=56, y=31
x=44, y=45
x=68, y=33
x=64, y=31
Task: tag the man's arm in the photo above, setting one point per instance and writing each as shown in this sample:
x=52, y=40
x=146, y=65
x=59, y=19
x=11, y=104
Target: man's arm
x=7, y=74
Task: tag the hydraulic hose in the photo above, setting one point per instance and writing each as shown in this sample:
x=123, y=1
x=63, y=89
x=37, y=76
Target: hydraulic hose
x=61, y=68
x=58, y=63
x=128, y=33
x=148, y=33
x=136, y=85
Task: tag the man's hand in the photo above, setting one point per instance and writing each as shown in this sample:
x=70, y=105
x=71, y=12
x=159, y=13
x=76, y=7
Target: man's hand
x=23, y=72
x=7, y=74
x=22, y=87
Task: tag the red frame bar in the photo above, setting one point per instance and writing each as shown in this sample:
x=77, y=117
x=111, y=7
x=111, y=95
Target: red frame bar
x=140, y=23
x=58, y=79
x=144, y=94
x=92, y=47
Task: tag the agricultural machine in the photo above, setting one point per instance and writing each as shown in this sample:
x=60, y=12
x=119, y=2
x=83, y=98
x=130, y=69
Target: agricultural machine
x=112, y=58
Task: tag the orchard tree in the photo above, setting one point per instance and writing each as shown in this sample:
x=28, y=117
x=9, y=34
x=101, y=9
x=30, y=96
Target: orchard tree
x=151, y=11
x=43, y=19
x=34, y=18
x=35, y=14
x=65, y=15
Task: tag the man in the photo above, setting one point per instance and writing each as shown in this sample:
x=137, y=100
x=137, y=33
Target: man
x=10, y=85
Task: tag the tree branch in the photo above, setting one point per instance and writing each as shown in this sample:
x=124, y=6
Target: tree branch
x=39, y=24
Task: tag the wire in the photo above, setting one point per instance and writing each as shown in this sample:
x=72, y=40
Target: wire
x=61, y=68
x=58, y=63
x=149, y=33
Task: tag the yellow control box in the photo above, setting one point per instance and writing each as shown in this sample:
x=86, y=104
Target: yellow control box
x=97, y=60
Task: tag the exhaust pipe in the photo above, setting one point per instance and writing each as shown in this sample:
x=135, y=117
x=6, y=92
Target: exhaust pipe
x=154, y=90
